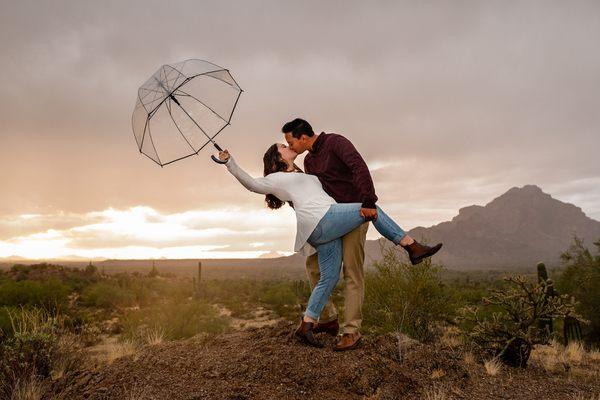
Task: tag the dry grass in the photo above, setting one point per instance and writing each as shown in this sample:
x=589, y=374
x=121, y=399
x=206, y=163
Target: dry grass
x=574, y=352
x=492, y=366
x=594, y=355
x=555, y=357
x=31, y=321
x=155, y=336
x=549, y=357
x=469, y=358
x=30, y=389
x=585, y=396
x=117, y=350
x=451, y=337
x=435, y=393
x=69, y=355
x=138, y=393
x=437, y=373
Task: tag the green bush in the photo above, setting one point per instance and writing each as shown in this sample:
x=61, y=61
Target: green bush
x=29, y=349
x=406, y=298
x=281, y=298
x=50, y=295
x=108, y=295
x=581, y=279
x=177, y=319
x=242, y=296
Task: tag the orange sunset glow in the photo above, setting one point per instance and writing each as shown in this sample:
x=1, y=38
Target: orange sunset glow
x=448, y=108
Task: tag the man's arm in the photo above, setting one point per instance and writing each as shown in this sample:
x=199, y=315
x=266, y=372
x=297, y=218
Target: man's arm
x=361, y=176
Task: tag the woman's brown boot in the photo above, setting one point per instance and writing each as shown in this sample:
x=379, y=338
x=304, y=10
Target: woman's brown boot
x=304, y=334
x=418, y=252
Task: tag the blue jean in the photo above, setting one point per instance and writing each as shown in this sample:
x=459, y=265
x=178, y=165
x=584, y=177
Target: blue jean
x=340, y=219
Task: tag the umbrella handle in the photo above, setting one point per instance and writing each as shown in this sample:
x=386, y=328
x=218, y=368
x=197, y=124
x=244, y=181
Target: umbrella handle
x=215, y=159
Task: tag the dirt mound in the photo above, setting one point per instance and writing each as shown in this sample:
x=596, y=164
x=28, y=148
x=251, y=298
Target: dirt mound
x=267, y=363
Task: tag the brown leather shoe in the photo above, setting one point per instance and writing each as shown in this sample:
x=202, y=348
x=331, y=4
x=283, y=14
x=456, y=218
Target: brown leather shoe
x=347, y=341
x=304, y=334
x=418, y=252
x=331, y=328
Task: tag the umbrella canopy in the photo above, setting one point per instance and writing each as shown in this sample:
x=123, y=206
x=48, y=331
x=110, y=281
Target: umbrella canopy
x=181, y=108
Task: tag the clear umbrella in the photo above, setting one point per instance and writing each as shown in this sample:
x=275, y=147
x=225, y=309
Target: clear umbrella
x=181, y=108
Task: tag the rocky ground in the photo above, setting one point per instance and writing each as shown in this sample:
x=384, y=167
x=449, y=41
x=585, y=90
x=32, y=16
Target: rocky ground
x=266, y=363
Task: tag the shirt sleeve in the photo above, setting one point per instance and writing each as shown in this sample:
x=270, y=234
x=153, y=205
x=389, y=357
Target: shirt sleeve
x=361, y=176
x=263, y=185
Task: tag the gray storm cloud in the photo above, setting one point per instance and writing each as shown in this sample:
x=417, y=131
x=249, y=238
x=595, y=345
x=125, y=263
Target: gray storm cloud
x=458, y=101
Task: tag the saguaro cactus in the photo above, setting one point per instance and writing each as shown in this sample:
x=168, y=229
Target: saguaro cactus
x=545, y=324
x=571, y=330
x=153, y=272
x=571, y=326
x=197, y=291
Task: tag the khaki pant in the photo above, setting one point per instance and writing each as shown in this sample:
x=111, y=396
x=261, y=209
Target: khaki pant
x=353, y=257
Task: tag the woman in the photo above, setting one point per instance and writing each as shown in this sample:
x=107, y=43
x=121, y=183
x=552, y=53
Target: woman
x=321, y=222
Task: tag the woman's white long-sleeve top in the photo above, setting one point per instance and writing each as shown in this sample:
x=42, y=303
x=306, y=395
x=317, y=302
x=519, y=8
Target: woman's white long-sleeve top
x=305, y=191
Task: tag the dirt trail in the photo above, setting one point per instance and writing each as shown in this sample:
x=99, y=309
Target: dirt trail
x=265, y=363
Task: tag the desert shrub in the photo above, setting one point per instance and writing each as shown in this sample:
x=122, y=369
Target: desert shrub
x=240, y=296
x=107, y=294
x=237, y=295
x=50, y=295
x=177, y=319
x=512, y=330
x=581, y=279
x=302, y=290
x=281, y=298
x=406, y=298
x=28, y=351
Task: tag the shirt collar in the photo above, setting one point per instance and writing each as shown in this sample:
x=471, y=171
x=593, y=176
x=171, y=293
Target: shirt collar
x=317, y=144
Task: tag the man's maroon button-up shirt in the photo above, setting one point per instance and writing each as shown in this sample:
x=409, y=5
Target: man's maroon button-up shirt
x=341, y=170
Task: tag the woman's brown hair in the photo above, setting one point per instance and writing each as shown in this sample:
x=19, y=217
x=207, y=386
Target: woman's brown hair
x=274, y=163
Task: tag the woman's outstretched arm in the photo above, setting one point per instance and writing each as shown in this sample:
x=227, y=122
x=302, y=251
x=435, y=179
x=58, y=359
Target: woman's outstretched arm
x=256, y=185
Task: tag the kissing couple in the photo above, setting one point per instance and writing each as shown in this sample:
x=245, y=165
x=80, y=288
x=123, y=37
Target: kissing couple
x=334, y=200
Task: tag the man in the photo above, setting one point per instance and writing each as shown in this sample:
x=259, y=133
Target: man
x=345, y=177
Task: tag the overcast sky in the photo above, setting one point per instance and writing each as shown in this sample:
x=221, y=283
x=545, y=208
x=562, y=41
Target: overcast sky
x=451, y=103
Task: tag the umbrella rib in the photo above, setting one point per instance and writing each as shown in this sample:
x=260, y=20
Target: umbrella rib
x=152, y=90
x=144, y=100
x=195, y=123
x=180, y=158
x=167, y=96
x=199, y=101
x=233, y=79
x=219, y=70
x=153, y=159
x=143, y=134
x=211, y=139
x=186, y=80
x=234, y=105
x=152, y=142
x=177, y=126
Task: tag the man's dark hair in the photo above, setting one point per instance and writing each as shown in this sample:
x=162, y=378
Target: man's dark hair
x=297, y=128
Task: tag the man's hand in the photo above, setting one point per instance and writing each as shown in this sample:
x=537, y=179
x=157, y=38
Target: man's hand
x=224, y=155
x=369, y=214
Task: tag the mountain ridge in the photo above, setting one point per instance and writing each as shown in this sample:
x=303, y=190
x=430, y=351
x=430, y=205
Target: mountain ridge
x=520, y=227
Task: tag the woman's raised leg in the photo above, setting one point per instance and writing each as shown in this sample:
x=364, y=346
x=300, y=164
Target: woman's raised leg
x=342, y=218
